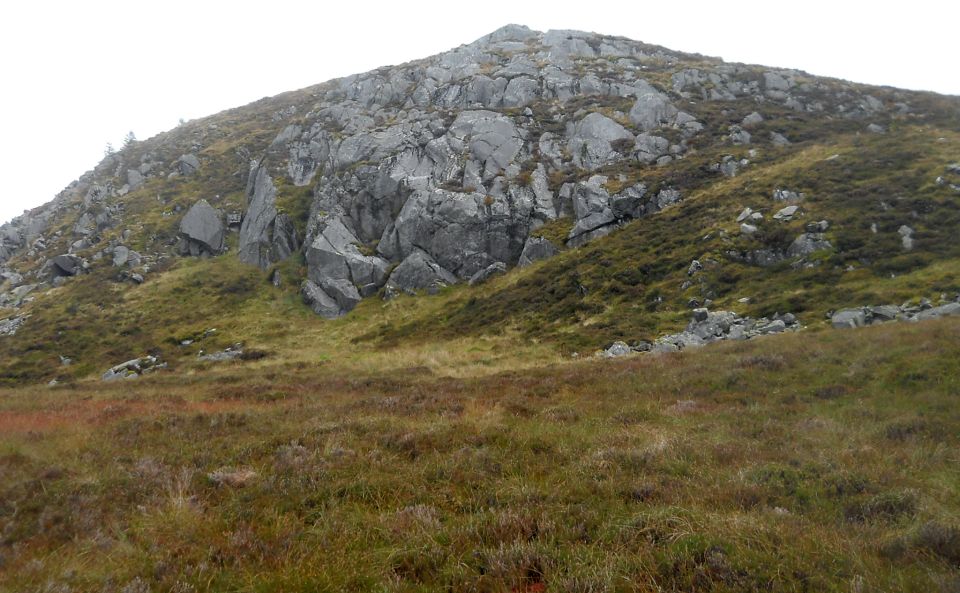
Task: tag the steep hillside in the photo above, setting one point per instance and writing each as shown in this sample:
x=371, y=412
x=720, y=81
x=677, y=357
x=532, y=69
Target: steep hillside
x=650, y=182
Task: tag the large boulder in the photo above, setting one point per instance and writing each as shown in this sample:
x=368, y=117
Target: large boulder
x=651, y=110
x=319, y=301
x=188, y=164
x=848, y=318
x=124, y=256
x=201, y=230
x=66, y=265
x=591, y=141
x=650, y=148
x=419, y=272
x=334, y=260
x=591, y=207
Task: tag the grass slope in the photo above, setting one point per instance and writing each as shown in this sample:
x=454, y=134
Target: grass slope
x=824, y=461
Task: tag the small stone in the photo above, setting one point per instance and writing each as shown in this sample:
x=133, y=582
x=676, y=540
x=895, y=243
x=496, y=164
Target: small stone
x=786, y=213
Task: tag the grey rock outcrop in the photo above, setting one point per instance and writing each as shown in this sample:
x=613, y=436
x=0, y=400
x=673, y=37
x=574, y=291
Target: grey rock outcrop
x=778, y=139
x=266, y=236
x=591, y=141
x=494, y=269
x=132, y=369
x=319, y=301
x=445, y=167
x=650, y=148
x=188, y=164
x=786, y=213
x=863, y=316
x=9, y=326
x=202, y=231
x=255, y=232
x=285, y=239
x=808, y=243
x=419, y=272
x=597, y=213
x=336, y=266
x=66, y=265
x=784, y=195
x=463, y=232
x=848, y=318
x=234, y=352
x=123, y=256
x=707, y=327
x=536, y=249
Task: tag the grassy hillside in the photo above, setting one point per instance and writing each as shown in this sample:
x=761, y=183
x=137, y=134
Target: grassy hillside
x=818, y=461
x=629, y=285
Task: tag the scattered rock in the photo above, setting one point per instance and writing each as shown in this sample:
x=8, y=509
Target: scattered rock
x=739, y=136
x=616, y=350
x=783, y=195
x=863, y=316
x=9, y=327
x=906, y=236
x=808, y=243
x=709, y=326
x=786, y=213
x=132, y=369
x=234, y=352
x=778, y=139
x=752, y=119
x=233, y=478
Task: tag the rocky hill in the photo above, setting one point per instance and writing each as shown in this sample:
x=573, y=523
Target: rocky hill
x=651, y=182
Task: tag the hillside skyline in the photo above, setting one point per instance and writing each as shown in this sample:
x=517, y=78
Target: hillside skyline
x=148, y=90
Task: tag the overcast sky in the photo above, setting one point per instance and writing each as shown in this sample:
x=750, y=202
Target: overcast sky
x=79, y=74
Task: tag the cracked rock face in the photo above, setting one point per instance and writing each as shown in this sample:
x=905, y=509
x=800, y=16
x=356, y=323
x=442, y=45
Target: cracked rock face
x=440, y=170
x=266, y=236
x=592, y=141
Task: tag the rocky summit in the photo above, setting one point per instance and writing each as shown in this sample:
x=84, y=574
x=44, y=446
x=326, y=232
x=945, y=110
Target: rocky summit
x=457, y=168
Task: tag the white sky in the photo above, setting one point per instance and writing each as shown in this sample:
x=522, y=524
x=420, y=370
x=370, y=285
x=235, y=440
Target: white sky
x=78, y=74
